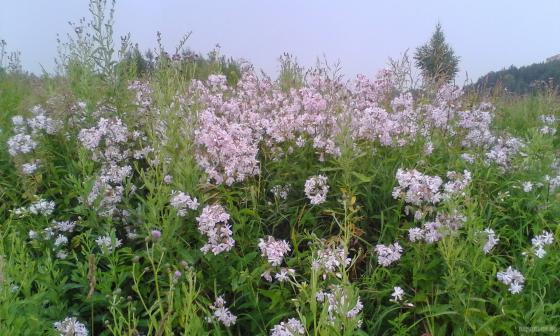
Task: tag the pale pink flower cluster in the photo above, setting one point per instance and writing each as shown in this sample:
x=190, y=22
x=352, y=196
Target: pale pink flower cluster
x=110, y=143
x=540, y=241
x=339, y=305
x=227, y=150
x=330, y=260
x=433, y=231
x=457, y=183
x=416, y=188
x=222, y=313
x=424, y=191
x=70, y=326
x=183, y=202
x=316, y=189
x=274, y=250
x=513, y=278
x=293, y=327
x=475, y=126
x=503, y=150
x=213, y=223
x=388, y=254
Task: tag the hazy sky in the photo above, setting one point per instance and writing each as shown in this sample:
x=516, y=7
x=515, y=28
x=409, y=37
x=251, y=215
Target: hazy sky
x=488, y=35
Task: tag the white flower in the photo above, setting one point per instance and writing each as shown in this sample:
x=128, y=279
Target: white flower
x=182, y=202
x=540, y=241
x=292, y=327
x=491, y=240
x=316, y=189
x=398, y=294
x=330, y=260
x=213, y=223
x=513, y=278
x=42, y=207
x=527, y=186
x=108, y=243
x=386, y=255
x=274, y=250
x=70, y=326
x=60, y=240
x=222, y=313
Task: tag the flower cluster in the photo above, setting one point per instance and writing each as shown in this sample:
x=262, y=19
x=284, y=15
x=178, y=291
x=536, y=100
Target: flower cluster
x=388, y=254
x=40, y=207
x=108, y=243
x=316, y=189
x=549, y=124
x=58, y=233
x=330, y=260
x=70, y=326
x=540, y=241
x=433, y=231
x=213, y=223
x=339, y=305
x=183, y=202
x=293, y=327
x=513, y=278
x=281, y=191
x=274, y=250
x=222, y=313
x=491, y=240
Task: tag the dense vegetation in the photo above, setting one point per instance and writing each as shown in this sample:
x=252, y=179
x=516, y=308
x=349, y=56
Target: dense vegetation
x=186, y=195
x=530, y=79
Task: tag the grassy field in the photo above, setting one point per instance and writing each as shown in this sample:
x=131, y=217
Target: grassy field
x=199, y=197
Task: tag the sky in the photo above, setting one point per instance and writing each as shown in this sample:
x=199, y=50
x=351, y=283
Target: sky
x=361, y=35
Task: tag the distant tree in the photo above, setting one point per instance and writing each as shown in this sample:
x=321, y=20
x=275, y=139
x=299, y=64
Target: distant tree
x=436, y=59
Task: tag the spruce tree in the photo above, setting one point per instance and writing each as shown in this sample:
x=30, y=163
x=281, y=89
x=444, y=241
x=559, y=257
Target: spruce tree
x=436, y=59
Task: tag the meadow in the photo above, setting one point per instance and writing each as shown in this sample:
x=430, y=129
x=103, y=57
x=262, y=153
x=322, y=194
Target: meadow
x=196, y=196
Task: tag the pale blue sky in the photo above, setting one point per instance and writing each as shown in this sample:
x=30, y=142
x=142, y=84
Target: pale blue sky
x=488, y=35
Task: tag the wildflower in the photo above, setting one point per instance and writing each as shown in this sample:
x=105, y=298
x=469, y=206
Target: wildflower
x=21, y=144
x=284, y=274
x=107, y=243
x=397, y=295
x=416, y=188
x=330, y=260
x=60, y=240
x=513, y=278
x=415, y=234
x=280, y=191
x=527, y=186
x=167, y=179
x=182, y=202
x=42, y=207
x=386, y=255
x=155, y=234
x=339, y=304
x=29, y=168
x=274, y=250
x=316, y=189
x=293, y=327
x=540, y=241
x=222, y=313
x=491, y=240
x=70, y=326
x=213, y=223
